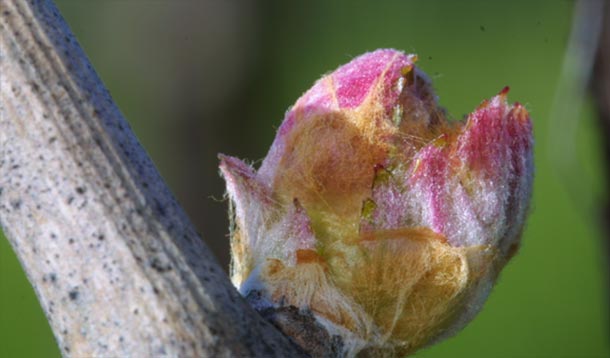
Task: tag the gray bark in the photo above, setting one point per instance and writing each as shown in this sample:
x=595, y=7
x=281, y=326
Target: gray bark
x=117, y=266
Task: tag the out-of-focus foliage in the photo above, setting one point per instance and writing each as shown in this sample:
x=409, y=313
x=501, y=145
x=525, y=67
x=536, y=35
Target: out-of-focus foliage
x=195, y=78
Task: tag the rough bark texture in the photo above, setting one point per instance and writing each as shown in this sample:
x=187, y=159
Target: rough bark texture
x=117, y=266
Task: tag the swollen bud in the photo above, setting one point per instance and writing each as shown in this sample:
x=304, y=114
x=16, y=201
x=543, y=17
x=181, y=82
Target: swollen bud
x=375, y=214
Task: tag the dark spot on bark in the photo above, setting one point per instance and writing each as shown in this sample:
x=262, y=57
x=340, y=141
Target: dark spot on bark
x=81, y=190
x=101, y=237
x=67, y=349
x=136, y=311
x=16, y=204
x=64, y=332
x=1, y=190
x=53, y=277
x=156, y=264
x=53, y=236
x=73, y=294
x=67, y=38
x=97, y=140
x=6, y=13
x=155, y=290
x=52, y=139
x=159, y=207
x=83, y=204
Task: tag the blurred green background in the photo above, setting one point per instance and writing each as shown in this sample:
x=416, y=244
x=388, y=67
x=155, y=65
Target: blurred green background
x=195, y=78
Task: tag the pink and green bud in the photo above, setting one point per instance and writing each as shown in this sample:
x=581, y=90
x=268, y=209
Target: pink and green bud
x=374, y=212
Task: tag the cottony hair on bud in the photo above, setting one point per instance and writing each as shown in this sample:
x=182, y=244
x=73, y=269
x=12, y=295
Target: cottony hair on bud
x=375, y=214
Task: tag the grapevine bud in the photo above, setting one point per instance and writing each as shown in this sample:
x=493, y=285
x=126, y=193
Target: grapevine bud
x=376, y=214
